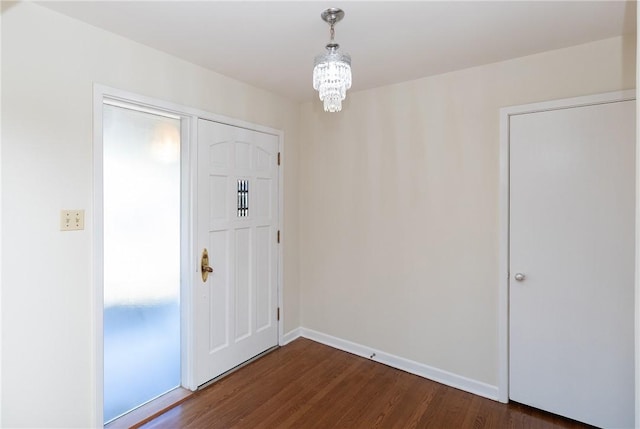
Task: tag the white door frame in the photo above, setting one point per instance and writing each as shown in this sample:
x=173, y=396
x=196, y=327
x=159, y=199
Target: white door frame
x=189, y=258
x=503, y=245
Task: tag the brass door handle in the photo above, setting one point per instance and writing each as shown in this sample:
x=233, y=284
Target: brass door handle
x=205, y=269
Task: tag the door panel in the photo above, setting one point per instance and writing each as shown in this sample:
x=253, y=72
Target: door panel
x=572, y=199
x=263, y=277
x=218, y=308
x=235, y=309
x=243, y=283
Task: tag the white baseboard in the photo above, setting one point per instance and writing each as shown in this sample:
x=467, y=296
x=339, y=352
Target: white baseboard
x=290, y=336
x=447, y=378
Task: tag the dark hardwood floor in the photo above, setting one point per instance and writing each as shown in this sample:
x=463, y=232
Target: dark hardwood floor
x=309, y=385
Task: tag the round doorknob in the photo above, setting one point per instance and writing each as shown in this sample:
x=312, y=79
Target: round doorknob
x=519, y=277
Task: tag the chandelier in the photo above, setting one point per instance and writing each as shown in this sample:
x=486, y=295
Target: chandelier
x=332, y=70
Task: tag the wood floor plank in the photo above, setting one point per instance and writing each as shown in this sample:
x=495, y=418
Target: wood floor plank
x=297, y=397
x=415, y=404
x=309, y=385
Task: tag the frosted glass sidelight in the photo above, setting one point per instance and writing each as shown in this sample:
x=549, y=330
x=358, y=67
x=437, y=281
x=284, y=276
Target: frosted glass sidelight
x=141, y=258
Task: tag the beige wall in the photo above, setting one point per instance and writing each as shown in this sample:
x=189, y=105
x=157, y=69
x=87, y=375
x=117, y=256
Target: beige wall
x=49, y=65
x=399, y=204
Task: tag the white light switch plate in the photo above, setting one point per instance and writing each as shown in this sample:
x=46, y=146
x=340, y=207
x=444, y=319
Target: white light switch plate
x=71, y=220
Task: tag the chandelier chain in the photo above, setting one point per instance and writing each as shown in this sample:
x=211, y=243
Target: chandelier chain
x=332, y=31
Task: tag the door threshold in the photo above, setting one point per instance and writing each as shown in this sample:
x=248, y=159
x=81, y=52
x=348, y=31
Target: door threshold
x=151, y=410
x=235, y=368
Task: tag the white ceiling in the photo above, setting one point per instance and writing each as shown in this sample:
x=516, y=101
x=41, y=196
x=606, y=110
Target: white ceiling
x=271, y=45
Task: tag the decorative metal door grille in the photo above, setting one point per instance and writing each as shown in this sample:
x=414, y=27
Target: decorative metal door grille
x=243, y=198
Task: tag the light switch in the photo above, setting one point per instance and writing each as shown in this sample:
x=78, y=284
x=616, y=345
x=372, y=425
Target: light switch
x=71, y=220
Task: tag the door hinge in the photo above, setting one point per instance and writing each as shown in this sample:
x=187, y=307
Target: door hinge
x=278, y=236
x=278, y=313
x=278, y=158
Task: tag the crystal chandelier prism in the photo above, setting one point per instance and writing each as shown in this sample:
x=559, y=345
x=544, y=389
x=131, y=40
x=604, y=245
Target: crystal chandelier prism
x=332, y=70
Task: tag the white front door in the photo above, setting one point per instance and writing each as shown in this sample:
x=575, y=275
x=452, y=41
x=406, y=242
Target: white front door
x=571, y=286
x=237, y=216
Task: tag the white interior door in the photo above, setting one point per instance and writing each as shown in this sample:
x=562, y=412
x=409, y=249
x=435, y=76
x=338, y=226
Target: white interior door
x=237, y=216
x=572, y=196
